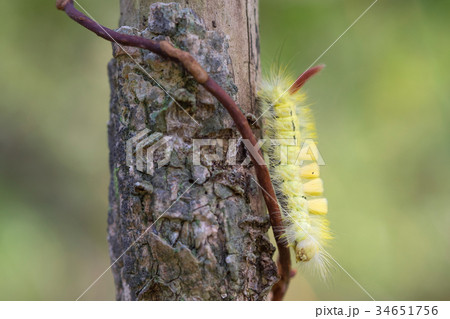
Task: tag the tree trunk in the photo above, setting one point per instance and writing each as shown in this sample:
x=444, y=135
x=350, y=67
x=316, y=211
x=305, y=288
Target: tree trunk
x=184, y=224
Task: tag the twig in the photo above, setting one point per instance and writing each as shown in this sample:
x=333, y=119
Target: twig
x=165, y=49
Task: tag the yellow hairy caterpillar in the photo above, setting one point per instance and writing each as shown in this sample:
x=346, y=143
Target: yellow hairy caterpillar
x=287, y=124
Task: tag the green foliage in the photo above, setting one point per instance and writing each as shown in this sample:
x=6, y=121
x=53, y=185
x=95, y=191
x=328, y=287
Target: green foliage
x=381, y=107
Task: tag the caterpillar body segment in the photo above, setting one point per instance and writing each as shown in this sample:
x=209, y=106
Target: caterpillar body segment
x=287, y=125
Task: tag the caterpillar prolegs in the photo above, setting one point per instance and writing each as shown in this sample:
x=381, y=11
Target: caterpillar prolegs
x=288, y=124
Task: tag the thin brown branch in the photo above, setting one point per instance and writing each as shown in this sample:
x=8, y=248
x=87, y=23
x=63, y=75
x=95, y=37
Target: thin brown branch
x=165, y=49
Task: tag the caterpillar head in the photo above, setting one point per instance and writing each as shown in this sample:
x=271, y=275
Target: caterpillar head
x=313, y=258
x=306, y=249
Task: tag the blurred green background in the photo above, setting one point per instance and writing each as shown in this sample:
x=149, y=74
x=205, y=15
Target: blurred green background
x=382, y=110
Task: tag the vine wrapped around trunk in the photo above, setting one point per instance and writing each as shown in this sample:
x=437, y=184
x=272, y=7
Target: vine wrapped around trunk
x=209, y=241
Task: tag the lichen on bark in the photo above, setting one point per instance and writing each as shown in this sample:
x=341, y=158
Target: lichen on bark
x=208, y=240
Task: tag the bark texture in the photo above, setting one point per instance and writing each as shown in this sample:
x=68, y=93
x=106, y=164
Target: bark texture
x=208, y=240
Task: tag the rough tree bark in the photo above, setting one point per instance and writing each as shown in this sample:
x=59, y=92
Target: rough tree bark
x=209, y=235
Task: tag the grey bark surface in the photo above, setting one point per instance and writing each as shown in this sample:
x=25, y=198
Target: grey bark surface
x=189, y=232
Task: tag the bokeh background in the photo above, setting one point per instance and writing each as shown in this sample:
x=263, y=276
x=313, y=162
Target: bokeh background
x=382, y=111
